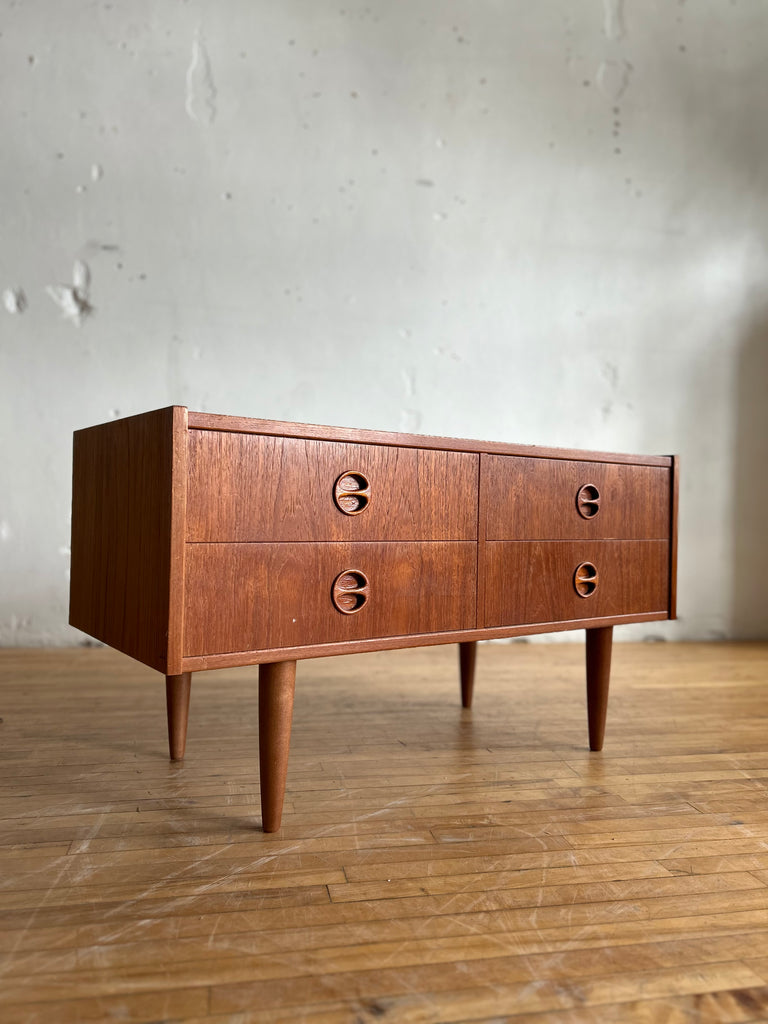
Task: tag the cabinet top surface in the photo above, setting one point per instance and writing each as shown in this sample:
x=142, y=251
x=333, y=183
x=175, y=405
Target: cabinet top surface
x=279, y=428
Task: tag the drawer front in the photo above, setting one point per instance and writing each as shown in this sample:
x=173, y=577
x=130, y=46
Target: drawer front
x=256, y=597
x=556, y=499
x=559, y=581
x=252, y=487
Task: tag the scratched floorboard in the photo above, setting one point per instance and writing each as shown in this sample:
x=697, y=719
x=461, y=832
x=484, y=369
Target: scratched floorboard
x=434, y=865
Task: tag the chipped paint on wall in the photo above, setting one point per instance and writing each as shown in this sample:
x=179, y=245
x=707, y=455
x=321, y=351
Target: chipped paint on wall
x=409, y=382
x=610, y=373
x=613, y=78
x=201, y=90
x=74, y=299
x=613, y=19
x=14, y=300
x=447, y=353
x=410, y=421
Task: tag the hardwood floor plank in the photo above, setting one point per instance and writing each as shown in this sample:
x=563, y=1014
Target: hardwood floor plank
x=387, y=888
x=496, y=959
x=502, y=998
x=740, y=1006
x=317, y=923
x=737, y=1006
x=164, y=888
x=141, y=1008
x=387, y=866
x=704, y=864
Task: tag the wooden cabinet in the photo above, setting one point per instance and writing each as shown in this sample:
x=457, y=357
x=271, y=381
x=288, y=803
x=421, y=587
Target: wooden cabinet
x=202, y=541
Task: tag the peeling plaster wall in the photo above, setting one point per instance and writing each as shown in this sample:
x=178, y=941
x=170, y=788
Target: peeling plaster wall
x=543, y=223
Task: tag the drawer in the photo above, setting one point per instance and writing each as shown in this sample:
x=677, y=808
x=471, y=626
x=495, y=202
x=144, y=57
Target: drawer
x=255, y=597
x=557, y=499
x=253, y=487
x=541, y=582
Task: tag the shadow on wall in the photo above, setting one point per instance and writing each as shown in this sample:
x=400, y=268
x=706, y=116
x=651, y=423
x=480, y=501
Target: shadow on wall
x=749, y=612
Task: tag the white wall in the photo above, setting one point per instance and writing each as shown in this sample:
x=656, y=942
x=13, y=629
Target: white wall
x=537, y=222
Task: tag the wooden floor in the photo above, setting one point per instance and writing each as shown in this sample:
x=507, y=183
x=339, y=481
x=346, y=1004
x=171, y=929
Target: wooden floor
x=434, y=864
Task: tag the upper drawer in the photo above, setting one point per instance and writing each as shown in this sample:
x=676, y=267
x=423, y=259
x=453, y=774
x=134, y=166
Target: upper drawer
x=253, y=487
x=555, y=499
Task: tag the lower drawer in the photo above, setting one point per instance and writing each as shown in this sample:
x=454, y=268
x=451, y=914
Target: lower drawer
x=556, y=581
x=259, y=597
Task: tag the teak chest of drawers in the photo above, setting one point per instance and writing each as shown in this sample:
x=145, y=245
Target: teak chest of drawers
x=203, y=541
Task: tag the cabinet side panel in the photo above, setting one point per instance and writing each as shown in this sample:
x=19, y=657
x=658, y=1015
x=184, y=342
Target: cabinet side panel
x=178, y=545
x=121, y=534
x=673, y=538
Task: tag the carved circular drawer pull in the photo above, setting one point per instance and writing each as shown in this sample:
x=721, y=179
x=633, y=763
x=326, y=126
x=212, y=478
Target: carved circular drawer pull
x=588, y=501
x=586, y=579
x=352, y=493
x=350, y=591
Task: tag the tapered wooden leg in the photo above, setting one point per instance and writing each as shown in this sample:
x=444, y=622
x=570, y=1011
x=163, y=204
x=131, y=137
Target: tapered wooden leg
x=177, y=690
x=277, y=682
x=467, y=656
x=599, y=643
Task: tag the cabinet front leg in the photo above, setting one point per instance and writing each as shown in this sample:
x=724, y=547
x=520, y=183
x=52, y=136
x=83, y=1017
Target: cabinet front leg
x=599, y=643
x=277, y=682
x=177, y=690
x=467, y=657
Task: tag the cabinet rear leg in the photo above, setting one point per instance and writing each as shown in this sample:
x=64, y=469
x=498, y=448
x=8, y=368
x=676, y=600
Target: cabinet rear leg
x=177, y=690
x=277, y=682
x=599, y=642
x=467, y=658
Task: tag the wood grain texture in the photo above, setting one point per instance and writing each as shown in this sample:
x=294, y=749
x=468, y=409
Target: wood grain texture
x=535, y=499
x=482, y=532
x=534, y=582
x=127, y=535
x=266, y=596
x=243, y=487
x=467, y=664
x=599, y=645
x=279, y=428
x=673, y=534
x=179, y=453
x=426, y=870
x=277, y=686
x=199, y=663
x=178, y=690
